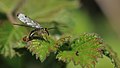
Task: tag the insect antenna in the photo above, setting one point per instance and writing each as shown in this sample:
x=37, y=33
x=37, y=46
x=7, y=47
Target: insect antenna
x=51, y=28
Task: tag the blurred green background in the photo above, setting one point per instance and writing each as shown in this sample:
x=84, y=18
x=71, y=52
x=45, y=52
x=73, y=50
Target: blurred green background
x=68, y=16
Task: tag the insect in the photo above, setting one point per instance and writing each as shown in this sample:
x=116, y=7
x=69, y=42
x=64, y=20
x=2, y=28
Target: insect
x=28, y=22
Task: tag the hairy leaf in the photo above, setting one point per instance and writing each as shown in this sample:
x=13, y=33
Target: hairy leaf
x=9, y=36
x=41, y=48
x=85, y=50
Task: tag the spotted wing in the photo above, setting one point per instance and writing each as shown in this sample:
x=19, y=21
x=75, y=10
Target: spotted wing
x=23, y=18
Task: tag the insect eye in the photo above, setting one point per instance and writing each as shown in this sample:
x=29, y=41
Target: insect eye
x=25, y=16
x=17, y=14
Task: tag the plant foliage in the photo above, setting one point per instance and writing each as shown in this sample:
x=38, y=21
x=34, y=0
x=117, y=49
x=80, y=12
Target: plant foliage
x=84, y=50
x=9, y=36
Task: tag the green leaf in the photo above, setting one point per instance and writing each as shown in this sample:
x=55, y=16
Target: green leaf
x=9, y=36
x=41, y=48
x=60, y=42
x=85, y=50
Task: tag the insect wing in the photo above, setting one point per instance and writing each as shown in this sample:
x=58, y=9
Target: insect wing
x=23, y=18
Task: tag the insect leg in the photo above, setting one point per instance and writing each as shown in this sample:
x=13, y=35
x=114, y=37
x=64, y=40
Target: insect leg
x=32, y=33
x=47, y=31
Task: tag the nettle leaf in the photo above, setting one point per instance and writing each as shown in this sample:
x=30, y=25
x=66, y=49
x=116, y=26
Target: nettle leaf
x=9, y=36
x=41, y=48
x=60, y=42
x=85, y=50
